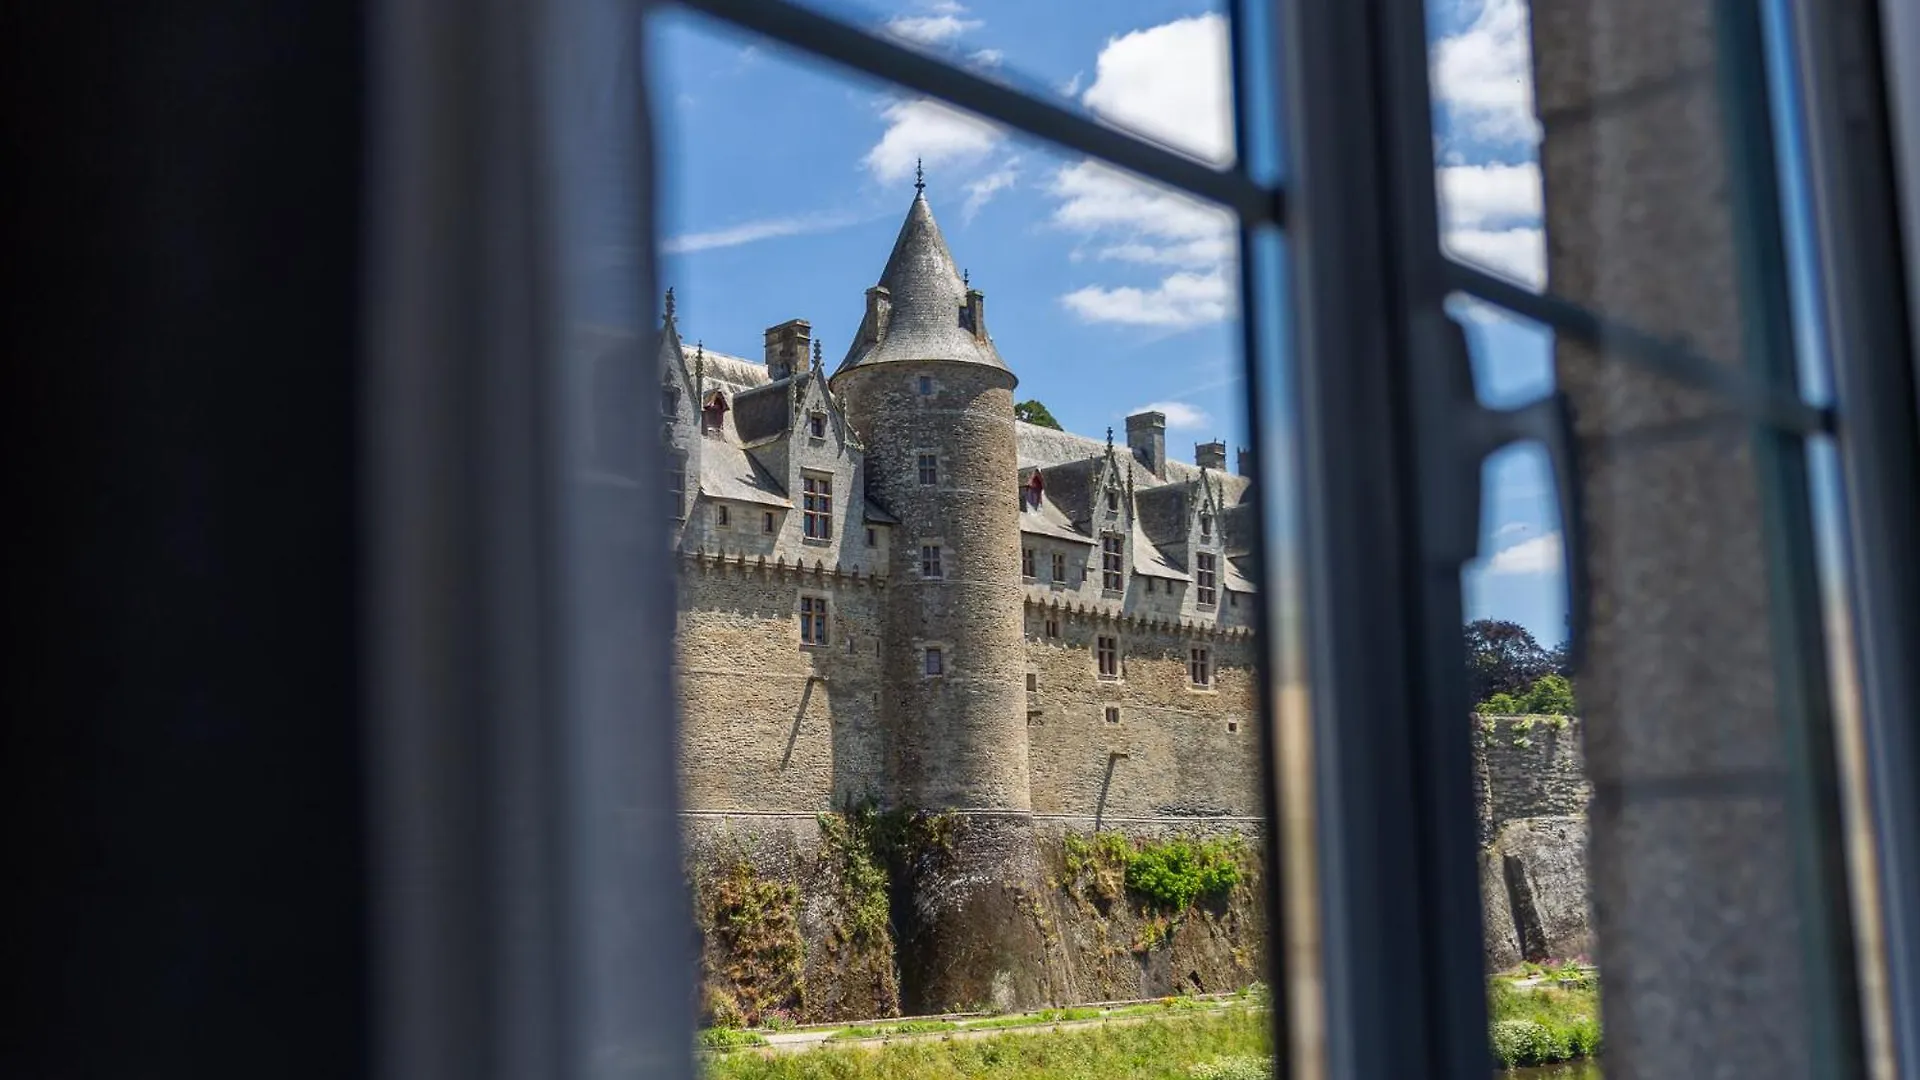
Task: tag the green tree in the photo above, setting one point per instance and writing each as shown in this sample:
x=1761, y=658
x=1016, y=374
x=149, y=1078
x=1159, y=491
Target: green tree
x=1551, y=695
x=1502, y=658
x=1035, y=413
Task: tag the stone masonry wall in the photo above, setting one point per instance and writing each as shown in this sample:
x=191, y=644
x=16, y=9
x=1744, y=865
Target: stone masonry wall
x=1178, y=752
x=771, y=725
x=1533, y=792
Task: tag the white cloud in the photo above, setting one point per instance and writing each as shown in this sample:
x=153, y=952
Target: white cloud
x=922, y=128
x=1180, y=415
x=1484, y=74
x=1540, y=555
x=1511, y=528
x=1171, y=83
x=987, y=57
x=1071, y=88
x=931, y=29
x=983, y=188
x=1476, y=196
x=1518, y=253
x=1181, y=300
x=752, y=231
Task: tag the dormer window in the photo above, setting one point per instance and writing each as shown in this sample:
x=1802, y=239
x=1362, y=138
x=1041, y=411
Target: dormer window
x=1206, y=526
x=966, y=318
x=817, y=425
x=713, y=414
x=669, y=401
x=1113, y=502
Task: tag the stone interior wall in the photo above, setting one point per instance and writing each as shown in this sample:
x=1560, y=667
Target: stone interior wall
x=1533, y=792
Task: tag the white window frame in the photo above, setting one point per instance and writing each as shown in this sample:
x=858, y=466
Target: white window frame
x=816, y=505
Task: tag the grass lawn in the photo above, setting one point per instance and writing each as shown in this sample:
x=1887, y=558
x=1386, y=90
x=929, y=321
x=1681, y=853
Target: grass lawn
x=1542, y=1025
x=1162, y=1048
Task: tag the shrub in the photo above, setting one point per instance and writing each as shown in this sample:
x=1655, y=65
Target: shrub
x=1172, y=874
x=1522, y=1042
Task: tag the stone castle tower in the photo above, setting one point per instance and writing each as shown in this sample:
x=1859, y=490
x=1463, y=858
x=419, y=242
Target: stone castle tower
x=930, y=397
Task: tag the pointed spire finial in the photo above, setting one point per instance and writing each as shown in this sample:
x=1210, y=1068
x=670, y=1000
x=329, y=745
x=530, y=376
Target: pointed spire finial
x=919, y=177
x=669, y=303
x=1109, y=438
x=816, y=354
x=966, y=279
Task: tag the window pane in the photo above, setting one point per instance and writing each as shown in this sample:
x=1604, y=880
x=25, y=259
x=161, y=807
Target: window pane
x=1029, y=666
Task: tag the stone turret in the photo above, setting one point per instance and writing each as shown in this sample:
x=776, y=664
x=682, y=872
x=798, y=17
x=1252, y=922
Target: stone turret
x=927, y=392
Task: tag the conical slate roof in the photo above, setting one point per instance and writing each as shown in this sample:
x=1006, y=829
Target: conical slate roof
x=927, y=298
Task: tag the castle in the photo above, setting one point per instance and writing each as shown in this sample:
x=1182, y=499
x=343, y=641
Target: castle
x=895, y=593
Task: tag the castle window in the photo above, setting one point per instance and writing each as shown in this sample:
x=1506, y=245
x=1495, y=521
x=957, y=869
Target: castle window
x=1203, y=580
x=766, y=521
x=1113, y=501
x=966, y=317
x=873, y=537
x=930, y=561
x=1033, y=682
x=1206, y=526
x=813, y=620
x=713, y=416
x=669, y=401
x=1149, y=584
x=1233, y=598
x=1200, y=667
x=1233, y=726
x=929, y=469
x=817, y=426
x=677, y=488
x=1111, y=550
x=1113, y=714
x=1107, y=650
x=722, y=516
x=926, y=385
x=1053, y=628
x=936, y=661
x=1059, y=567
x=1026, y=563
x=817, y=506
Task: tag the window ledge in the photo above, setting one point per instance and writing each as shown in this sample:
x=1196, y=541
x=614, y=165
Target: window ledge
x=816, y=541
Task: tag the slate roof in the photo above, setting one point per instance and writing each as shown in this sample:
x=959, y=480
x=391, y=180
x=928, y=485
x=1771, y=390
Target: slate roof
x=764, y=411
x=926, y=295
x=736, y=373
x=1048, y=519
x=1045, y=447
x=1150, y=561
x=877, y=514
x=728, y=472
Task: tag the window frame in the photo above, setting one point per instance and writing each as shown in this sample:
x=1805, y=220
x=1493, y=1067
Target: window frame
x=1206, y=579
x=816, y=506
x=927, y=468
x=814, y=631
x=1113, y=562
x=1106, y=657
x=932, y=566
x=1200, y=667
x=1026, y=563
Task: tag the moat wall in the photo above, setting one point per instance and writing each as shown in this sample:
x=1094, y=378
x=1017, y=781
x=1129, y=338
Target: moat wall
x=811, y=915
x=1532, y=794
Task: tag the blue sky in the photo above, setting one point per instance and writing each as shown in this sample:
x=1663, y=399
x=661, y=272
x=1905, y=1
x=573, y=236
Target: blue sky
x=785, y=181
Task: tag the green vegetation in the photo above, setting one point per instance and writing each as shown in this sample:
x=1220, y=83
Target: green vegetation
x=1035, y=413
x=1168, y=876
x=726, y=1038
x=1236, y=1067
x=755, y=964
x=904, y=1027
x=1165, y=1049
x=1549, y=695
x=1043, y=1017
x=1542, y=1025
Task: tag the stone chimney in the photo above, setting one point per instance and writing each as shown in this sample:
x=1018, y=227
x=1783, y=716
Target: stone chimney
x=1246, y=462
x=1147, y=437
x=787, y=346
x=974, y=316
x=1211, y=455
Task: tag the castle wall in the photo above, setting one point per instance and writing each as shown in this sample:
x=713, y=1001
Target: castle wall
x=1171, y=755
x=771, y=725
x=1532, y=793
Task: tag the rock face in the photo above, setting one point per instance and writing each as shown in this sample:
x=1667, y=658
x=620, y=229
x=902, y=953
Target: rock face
x=1542, y=866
